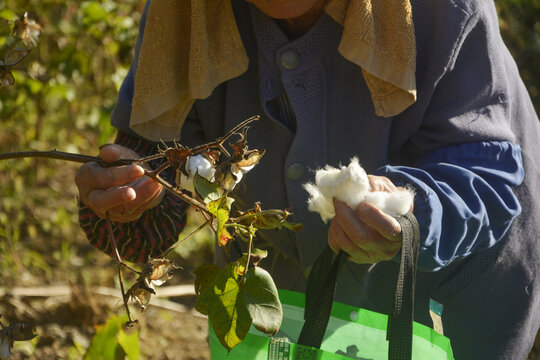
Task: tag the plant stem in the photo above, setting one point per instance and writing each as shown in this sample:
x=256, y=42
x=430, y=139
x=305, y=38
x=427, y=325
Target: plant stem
x=60, y=155
x=255, y=214
x=115, y=247
x=248, y=255
x=124, y=297
x=191, y=234
x=176, y=192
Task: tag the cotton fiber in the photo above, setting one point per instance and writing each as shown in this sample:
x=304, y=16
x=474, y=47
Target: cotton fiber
x=195, y=164
x=350, y=184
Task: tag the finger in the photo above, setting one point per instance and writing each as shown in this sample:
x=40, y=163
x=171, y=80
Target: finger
x=114, y=176
x=338, y=240
x=381, y=183
x=148, y=191
x=101, y=200
x=350, y=223
x=113, y=152
x=125, y=213
x=117, y=214
x=379, y=221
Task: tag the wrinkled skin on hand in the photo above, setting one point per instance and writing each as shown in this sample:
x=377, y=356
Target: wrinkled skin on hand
x=123, y=192
x=366, y=233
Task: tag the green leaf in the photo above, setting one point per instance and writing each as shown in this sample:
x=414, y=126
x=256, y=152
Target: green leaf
x=224, y=302
x=221, y=209
x=8, y=15
x=262, y=300
x=93, y=12
x=256, y=256
x=130, y=344
x=105, y=345
x=208, y=191
x=204, y=275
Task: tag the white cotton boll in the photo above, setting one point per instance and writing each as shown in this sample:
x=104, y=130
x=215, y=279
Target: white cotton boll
x=195, y=164
x=319, y=203
x=246, y=169
x=350, y=184
x=198, y=163
x=393, y=204
x=234, y=177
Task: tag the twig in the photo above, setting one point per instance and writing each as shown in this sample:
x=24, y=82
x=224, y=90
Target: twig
x=124, y=297
x=191, y=234
x=175, y=191
x=248, y=255
x=116, y=253
x=219, y=142
x=121, y=263
x=255, y=214
x=59, y=155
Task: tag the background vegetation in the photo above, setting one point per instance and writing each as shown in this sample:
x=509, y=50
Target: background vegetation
x=64, y=93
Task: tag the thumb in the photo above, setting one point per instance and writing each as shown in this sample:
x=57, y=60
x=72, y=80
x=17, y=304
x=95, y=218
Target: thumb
x=113, y=152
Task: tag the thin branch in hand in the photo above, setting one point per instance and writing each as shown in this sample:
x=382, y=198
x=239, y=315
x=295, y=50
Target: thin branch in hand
x=125, y=299
x=121, y=264
x=115, y=247
x=219, y=142
x=190, y=235
x=176, y=192
x=60, y=155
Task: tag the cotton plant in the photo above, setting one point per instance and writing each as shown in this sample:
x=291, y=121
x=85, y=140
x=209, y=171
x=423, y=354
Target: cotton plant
x=227, y=176
x=205, y=176
x=350, y=184
x=197, y=164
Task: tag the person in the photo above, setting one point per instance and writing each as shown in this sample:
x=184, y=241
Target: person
x=424, y=93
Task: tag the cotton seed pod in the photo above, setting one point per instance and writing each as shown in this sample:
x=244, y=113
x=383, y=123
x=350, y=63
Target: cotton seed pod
x=194, y=164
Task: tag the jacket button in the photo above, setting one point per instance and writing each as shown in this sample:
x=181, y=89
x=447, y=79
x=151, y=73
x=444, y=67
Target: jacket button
x=295, y=171
x=289, y=59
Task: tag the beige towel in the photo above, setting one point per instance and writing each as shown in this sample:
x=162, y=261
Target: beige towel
x=191, y=46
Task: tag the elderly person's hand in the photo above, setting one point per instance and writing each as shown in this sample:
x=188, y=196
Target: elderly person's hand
x=123, y=192
x=366, y=233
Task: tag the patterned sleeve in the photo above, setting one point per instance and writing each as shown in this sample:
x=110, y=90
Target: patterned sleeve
x=150, y=235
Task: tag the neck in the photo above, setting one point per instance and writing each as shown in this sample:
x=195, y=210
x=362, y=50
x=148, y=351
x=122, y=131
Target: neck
x=298, y=26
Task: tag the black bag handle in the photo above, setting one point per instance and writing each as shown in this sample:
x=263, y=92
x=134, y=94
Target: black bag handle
x=320, y=294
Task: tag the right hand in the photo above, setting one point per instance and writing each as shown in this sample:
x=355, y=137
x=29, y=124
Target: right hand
x=122, y=192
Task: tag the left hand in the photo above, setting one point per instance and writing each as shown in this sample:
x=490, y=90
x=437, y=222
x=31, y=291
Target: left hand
x=366, y=233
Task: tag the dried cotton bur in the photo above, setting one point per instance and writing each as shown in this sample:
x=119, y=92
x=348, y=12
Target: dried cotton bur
x=155, y=273
x=225, y=171
x=27, y=29
x=11, y=57
x=18, y=331
x=350, y=184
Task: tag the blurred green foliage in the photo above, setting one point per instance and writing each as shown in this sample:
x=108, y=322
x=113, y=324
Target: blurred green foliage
x=519, y=21
x=64, y=92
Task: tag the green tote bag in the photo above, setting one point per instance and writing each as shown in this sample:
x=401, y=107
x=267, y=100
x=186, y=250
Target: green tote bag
x=330, y=330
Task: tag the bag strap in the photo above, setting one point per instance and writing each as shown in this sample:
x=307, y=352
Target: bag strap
x=400, y=321
x=320, y=294
x=320, y=297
